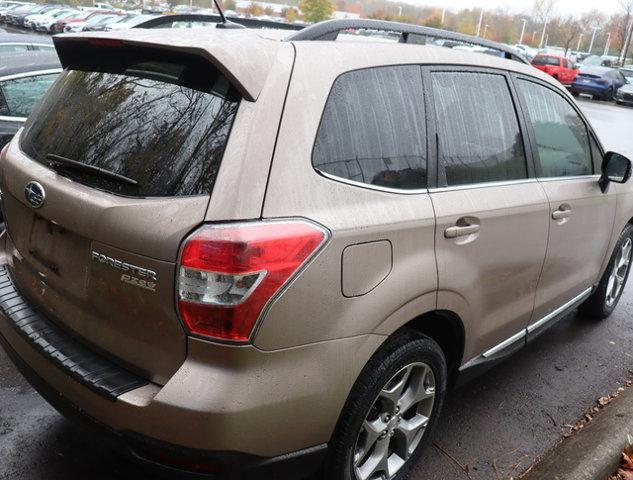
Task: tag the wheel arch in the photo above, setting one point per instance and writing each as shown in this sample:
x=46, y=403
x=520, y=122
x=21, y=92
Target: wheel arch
x=447, y=329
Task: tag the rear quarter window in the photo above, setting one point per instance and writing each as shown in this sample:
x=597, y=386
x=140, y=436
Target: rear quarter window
x=373, y=129
x=161, y=122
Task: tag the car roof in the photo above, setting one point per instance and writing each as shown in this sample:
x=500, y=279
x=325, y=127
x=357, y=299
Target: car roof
x=596, y=70
x=24, y=38
x=246, y=56
x=16, y=63
x=560, y=57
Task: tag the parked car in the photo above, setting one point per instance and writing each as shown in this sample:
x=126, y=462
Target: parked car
x=282, y=258
x=624, y=95
x=78, y=26
x=24, y=78
x=601, y=83
x=526, y=50
x=7, y=7
x=46, y=24
x=628, y=73
x=29, y=21
x=128, y=22
x=17, y=18
x=17, y=42
x=101, y=25
x=81, y=16
x=558, y=67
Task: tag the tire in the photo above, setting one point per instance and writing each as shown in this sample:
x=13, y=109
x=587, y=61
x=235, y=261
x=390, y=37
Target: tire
x=408, y=354
x=608, y=96
x=575, y=94
x=603, y=301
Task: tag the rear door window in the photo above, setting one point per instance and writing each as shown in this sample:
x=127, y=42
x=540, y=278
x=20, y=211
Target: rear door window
x=21, y=94
x=163, y=123
x=373, y=129
x=478, y=133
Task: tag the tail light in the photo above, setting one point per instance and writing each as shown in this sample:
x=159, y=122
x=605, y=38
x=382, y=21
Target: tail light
x=229, y=273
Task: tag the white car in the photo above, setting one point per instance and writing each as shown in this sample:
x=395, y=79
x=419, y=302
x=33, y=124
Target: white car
x=128, y=22
x=78, y=26
x=29, y=21
x=45, y=24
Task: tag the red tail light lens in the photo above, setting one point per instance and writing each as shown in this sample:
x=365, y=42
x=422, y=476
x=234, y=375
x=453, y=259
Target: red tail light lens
x=228, y=273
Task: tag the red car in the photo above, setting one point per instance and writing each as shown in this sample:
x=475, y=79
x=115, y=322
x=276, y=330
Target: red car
x=558, y=67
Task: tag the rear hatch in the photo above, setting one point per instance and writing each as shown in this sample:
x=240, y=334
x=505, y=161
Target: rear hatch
x=590, y=80
x=126, y=147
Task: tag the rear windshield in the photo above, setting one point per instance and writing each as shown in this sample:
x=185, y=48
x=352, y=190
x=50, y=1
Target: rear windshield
x=161, y=123
x=544, y=60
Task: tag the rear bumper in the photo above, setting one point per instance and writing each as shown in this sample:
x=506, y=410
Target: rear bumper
x=588, y=90
x=236, y=407
x=157, y=456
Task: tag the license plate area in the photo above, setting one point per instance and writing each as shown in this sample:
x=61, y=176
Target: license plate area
x=60, y=254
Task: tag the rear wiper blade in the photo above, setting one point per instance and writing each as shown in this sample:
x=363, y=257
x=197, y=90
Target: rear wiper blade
x=57, y=160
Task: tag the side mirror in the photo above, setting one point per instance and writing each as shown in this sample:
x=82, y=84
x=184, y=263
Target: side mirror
x=615, y=168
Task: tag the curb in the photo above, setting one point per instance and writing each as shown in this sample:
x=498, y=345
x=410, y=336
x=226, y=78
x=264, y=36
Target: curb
x=592, y=453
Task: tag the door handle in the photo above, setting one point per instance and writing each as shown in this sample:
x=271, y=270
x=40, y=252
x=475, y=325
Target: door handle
x=564, y=211
x=457, y=231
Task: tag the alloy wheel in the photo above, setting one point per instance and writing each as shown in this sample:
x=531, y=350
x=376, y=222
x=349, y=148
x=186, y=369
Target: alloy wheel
x=395, y=423
x=619, y=271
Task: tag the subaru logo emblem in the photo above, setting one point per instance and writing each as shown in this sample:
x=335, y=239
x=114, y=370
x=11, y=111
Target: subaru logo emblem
x=34, y=193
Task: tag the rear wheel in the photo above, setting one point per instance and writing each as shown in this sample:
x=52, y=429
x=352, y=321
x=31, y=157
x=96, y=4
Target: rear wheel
x=575, y=94
x=603, y=301
x=391, y=412
x=608, y=96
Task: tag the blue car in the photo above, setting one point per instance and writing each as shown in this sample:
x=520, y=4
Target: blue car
x=601, y=83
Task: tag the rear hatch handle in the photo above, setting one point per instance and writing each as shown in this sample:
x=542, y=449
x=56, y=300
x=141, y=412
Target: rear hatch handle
x=56, y=161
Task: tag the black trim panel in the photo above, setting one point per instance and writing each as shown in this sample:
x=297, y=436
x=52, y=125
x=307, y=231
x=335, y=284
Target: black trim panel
x=86, y=367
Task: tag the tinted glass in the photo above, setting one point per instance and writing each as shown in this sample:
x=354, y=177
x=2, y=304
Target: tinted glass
x=596, y=155
x=164, y=125
x=21, y=94
x=561, y=135
x=9, y=48
x=373, y=128
x=478, y=130
x=544, y=60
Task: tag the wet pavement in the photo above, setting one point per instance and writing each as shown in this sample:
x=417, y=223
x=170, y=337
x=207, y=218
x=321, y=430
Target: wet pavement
x=492, y=428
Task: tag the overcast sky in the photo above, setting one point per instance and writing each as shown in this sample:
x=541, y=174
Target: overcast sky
x=562, y=6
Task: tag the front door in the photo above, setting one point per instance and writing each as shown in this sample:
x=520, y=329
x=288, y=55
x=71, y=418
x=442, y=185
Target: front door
x=581, y=216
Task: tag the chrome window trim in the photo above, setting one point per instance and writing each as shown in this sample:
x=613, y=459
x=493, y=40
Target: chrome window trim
x=469, y=186
x=12, y=119
x=369, y=186
x=559, y=310
x=572, y=177
x=31, y=74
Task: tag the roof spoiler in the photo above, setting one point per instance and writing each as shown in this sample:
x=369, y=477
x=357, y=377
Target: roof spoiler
x=409, y=33
x=245, y=69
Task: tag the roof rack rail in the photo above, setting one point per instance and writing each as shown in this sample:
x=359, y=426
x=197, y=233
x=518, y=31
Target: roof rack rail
x=329, y=30
x=163, y=20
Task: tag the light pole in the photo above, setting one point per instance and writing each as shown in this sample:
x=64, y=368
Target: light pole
x=543, y=35
x=524, y=20
x=534, y=36
x=485, y=30
x=443, y=15
x=627, y=44
x=579, y=40
x=399, y=11
x=593, y=37
x=481, y=19
x=608, y=44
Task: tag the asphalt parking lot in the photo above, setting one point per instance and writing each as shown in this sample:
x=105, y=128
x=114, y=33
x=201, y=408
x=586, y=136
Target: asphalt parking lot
x=492, y=428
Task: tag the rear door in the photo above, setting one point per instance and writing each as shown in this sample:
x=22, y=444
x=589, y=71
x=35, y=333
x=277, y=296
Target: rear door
x=581, y=216
x=491, y=214
x=126, y=153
